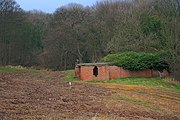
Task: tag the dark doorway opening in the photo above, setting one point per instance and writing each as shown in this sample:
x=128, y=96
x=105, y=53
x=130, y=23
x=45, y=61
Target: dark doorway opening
x=95, y=71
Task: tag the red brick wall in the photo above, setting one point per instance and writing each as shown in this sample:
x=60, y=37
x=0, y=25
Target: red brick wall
x=124, y=73
x=103, y=73
x=143, y=73
x=118, y=72
x=114, y=72
x=109, y=72
x=87, y=73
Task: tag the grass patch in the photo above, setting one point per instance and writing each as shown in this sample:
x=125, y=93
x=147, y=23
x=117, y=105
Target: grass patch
x=118, y=97
x=152, y=82
x=70, y=79
x=97, y=81
x=70, y=76
x=70, y=72
x=135, y=101
x=15, y=70
x=9, y=70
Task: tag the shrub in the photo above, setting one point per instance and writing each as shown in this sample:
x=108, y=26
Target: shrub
x=137, y=61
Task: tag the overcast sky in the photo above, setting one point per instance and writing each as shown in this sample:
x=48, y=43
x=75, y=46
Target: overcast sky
x=50, y=6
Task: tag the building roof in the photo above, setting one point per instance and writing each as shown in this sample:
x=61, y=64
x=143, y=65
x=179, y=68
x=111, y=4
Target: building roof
x=92, y=64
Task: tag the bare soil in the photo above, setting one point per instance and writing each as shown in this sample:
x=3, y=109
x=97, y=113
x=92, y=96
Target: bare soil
x=46, y=96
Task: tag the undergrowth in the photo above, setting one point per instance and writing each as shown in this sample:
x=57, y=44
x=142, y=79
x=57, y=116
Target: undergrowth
x=152, y=82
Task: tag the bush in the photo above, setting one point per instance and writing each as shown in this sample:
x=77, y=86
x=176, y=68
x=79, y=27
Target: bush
x=137, y=61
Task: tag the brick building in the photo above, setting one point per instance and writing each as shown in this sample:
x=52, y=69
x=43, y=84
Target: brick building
x=104, y=71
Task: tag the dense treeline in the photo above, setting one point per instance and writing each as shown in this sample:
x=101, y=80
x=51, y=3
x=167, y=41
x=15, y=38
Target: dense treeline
x=87, y=34
x=21, y=34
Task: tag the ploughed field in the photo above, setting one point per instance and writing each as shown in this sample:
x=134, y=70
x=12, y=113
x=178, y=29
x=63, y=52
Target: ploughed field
x=47, y=96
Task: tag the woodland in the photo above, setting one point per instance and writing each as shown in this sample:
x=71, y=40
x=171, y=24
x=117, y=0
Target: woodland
x=89, y=33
